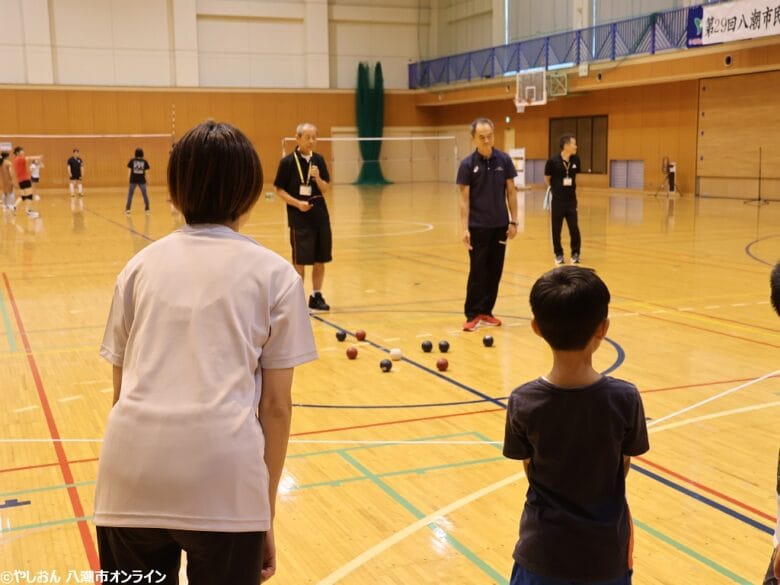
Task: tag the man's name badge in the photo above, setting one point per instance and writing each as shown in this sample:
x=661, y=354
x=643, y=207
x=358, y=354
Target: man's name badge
x=305, y=191
x=567, y=182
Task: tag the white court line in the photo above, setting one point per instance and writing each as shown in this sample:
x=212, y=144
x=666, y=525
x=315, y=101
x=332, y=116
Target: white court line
x=424, y=335
x=686, y=309
x=712, y=307
x=70, y=398
x=514, y=324
x=26, y=408
x=392, y=339
x=397, y=537
x=713, y=398
x=107, y=390
x=721, y=414
x=394, y=539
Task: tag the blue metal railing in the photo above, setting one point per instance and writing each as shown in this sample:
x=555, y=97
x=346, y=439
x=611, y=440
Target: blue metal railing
x=604, y=42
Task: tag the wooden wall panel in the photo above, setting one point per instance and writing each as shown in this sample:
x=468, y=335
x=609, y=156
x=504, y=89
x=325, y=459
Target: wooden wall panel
x=645, y=123
x=739, y=116
x=266, y=117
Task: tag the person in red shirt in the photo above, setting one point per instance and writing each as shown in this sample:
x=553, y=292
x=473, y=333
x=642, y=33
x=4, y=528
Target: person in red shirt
x=21, y=164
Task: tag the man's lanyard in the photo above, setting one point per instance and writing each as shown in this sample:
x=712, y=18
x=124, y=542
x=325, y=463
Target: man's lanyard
x=566, y=165
x=300, y=170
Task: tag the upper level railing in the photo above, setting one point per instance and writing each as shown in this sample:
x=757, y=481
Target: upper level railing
x=605, y=42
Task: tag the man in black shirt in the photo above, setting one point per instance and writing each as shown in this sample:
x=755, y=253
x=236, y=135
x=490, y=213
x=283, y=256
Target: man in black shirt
x=75, y=173
x=560, y=174
x=302, y=181
x=773, y=572
x=575, y=431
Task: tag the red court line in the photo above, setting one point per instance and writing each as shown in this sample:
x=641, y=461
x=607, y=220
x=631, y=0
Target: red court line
x=709, y=490
x=396, y=422
x=701, y=385
x=709, y=330
x=67, y=475
x=701, y=314
x=43, y=465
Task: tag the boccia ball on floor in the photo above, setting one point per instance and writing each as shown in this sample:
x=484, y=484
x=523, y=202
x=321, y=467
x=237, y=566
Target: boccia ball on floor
x=442, y=364
x=341, y=335
x=444, y=346
x=487, y=341
x=386, y=365
x=360, y=335
x=352, y=352
x=396, y=354
x=427, y=346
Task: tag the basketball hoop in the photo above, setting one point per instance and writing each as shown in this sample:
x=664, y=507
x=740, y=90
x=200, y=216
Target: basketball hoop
x=520, y=105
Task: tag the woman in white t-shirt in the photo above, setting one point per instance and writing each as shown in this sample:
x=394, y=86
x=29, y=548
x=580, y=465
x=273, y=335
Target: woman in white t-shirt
x=205, y=328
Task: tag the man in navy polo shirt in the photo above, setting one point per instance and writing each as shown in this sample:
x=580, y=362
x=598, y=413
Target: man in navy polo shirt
x=488, y=208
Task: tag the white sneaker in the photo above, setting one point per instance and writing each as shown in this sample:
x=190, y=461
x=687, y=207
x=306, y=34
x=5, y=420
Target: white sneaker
x=33, y=214
x=558, y=260
x=127, y=212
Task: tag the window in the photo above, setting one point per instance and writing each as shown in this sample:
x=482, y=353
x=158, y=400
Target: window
x=591, y=135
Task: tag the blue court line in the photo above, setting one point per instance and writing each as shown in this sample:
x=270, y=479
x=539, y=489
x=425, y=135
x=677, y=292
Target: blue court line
x=621, y=356
x=9, y=332
x=124, y=227
x=437, y=530
x=460, y=385
x=391, y=406
x=749, y=249
x=704, y=500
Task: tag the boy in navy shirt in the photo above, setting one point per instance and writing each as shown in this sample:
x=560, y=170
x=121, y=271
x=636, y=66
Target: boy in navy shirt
x=575, y=431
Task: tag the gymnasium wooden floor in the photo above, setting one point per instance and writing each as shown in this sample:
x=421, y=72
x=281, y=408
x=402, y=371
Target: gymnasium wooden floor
x=398, y=478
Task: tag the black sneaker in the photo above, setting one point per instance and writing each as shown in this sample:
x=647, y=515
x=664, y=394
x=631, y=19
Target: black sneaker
x=317, y=303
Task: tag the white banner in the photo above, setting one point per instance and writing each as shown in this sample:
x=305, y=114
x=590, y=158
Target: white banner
x=742, y=19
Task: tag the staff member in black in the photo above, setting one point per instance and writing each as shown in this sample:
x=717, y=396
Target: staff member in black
x=560, y=173
x=302, y=181
x=488, y=208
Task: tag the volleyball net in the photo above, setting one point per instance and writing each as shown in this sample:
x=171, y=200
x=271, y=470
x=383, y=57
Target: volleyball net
x=404, y=159
x=105, y=156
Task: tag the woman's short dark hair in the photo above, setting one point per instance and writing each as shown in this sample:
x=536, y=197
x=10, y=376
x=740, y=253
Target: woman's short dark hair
x=774, y=282
x=139, y=152
x=569, y=303
x=214, y=174
x=18, y=149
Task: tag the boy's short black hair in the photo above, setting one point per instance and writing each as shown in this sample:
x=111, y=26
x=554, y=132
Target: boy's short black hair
x=18, y=149
x=774, y=282
x=565, y=139
x=569, y=303
x=214, y=174
x=139, y=152
x=75, y=150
